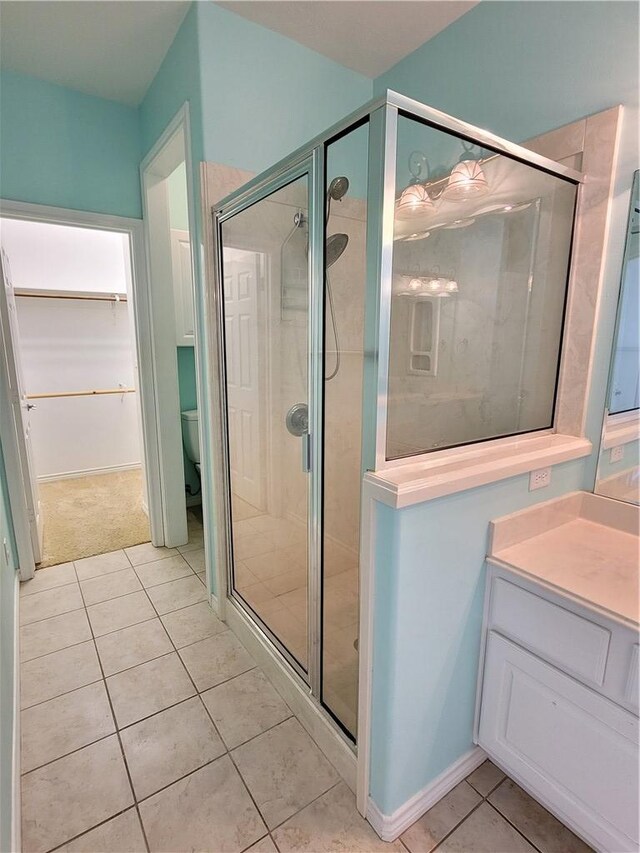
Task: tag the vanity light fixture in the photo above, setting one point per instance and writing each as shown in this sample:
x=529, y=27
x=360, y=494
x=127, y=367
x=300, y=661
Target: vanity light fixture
x=419, y=287
x=414, y=199
x=467, y=179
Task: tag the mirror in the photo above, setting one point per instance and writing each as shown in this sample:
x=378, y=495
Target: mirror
x=618, y=474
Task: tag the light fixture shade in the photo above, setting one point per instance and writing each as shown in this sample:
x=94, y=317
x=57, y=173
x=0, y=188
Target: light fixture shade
x=413, y=201
x=467, y=180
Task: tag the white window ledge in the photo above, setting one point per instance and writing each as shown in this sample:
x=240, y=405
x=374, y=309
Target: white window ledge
x=440, y=474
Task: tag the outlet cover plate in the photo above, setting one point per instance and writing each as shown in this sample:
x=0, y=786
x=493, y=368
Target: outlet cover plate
x=617, y=453
x=539, y=479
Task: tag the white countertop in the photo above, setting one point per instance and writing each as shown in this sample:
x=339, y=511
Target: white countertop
x=594, y=562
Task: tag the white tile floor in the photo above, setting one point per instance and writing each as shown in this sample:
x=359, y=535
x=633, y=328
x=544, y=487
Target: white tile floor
x=147, y=726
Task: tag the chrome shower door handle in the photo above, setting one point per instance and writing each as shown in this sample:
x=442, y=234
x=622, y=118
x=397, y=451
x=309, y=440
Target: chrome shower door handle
x=306, y=452
x=297, y=423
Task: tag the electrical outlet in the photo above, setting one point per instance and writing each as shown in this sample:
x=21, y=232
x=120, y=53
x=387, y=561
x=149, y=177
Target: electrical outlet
x=617, y=453
x=539, y=479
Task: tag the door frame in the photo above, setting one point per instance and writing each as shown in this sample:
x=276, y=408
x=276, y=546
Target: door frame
x=140, y=294
x=171, y=148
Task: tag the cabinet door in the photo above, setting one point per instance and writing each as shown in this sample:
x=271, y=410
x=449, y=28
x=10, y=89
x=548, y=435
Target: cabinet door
x=574, y=750
x=182, y=287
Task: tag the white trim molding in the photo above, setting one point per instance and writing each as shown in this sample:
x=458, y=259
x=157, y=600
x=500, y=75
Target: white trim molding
x=470, y=467
x=16, y=794
x=389, y=827
x=88, y=472
x=171, y=149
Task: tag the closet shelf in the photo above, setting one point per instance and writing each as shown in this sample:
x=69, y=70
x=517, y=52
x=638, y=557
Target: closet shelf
x=89, y=296
x=100, y=392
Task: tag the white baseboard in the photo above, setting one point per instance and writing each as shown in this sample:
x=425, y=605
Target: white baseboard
x=389, y=827
x=89, y=472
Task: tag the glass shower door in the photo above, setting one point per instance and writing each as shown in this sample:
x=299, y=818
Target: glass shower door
x=266, y=290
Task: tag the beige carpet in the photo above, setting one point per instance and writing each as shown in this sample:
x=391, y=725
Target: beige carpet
x=92, y=515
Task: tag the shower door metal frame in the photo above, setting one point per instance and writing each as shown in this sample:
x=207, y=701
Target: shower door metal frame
x=311, y=166
x=382, y=113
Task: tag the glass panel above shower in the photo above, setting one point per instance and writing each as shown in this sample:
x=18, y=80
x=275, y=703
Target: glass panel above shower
x=266, y=309
x=480, y=263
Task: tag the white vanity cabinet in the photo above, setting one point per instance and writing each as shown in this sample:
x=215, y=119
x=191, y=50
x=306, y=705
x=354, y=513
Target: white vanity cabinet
x=558, y=705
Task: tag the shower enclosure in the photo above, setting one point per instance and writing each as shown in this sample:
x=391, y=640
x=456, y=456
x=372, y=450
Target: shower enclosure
x=394, y=288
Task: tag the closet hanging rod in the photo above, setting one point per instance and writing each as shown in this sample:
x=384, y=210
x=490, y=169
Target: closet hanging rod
x=38, y=294
x=51, y=394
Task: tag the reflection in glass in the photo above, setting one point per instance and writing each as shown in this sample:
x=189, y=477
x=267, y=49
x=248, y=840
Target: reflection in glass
x=478, y=292
x=344, y=360
x=619, y=463
x=266, y=306
x=623, y=393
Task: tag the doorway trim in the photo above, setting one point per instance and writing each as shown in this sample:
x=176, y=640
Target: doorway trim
x=133, y=229
x=171, y=148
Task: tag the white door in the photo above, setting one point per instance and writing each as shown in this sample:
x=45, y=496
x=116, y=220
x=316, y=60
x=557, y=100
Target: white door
x=243, y=378
x=182, y=287
x=19, y=404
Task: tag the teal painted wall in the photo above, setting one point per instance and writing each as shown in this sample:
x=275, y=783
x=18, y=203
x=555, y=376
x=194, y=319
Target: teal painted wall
x=63, y=148
x=254, y=97
x=518, y=69
x=263, y=94
x=8, y=639
x=177, y=81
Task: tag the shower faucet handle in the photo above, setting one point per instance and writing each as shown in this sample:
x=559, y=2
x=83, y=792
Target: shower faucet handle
x=297, y=419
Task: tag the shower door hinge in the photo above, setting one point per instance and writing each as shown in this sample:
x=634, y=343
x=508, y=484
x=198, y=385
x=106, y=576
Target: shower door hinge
x=306, y=452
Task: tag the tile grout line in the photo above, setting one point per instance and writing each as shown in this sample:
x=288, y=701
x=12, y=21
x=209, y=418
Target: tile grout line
x=229, y=751
x=103, y=680
x=115, y=722
x=476, y=807
x=96, y=826
x=52, y=615
x=198, y=693
x=86, y=606
x=459, y=824
x=310, y=803
x=65, y=692
x=505, y=818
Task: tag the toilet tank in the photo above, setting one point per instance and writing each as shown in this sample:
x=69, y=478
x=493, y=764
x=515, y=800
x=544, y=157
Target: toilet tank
x=191, y=434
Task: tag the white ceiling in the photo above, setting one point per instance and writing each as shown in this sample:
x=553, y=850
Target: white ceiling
x=368, y=36
x=109, y=49
x=114, y=49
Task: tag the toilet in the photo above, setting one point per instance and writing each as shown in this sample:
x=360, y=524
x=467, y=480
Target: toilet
x=191, y=436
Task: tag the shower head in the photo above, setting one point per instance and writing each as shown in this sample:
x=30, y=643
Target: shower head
x=336, y=244
x=338, y=188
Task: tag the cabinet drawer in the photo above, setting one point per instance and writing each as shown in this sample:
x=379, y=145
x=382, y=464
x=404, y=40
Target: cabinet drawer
x=569, y=641
x=574, y=750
